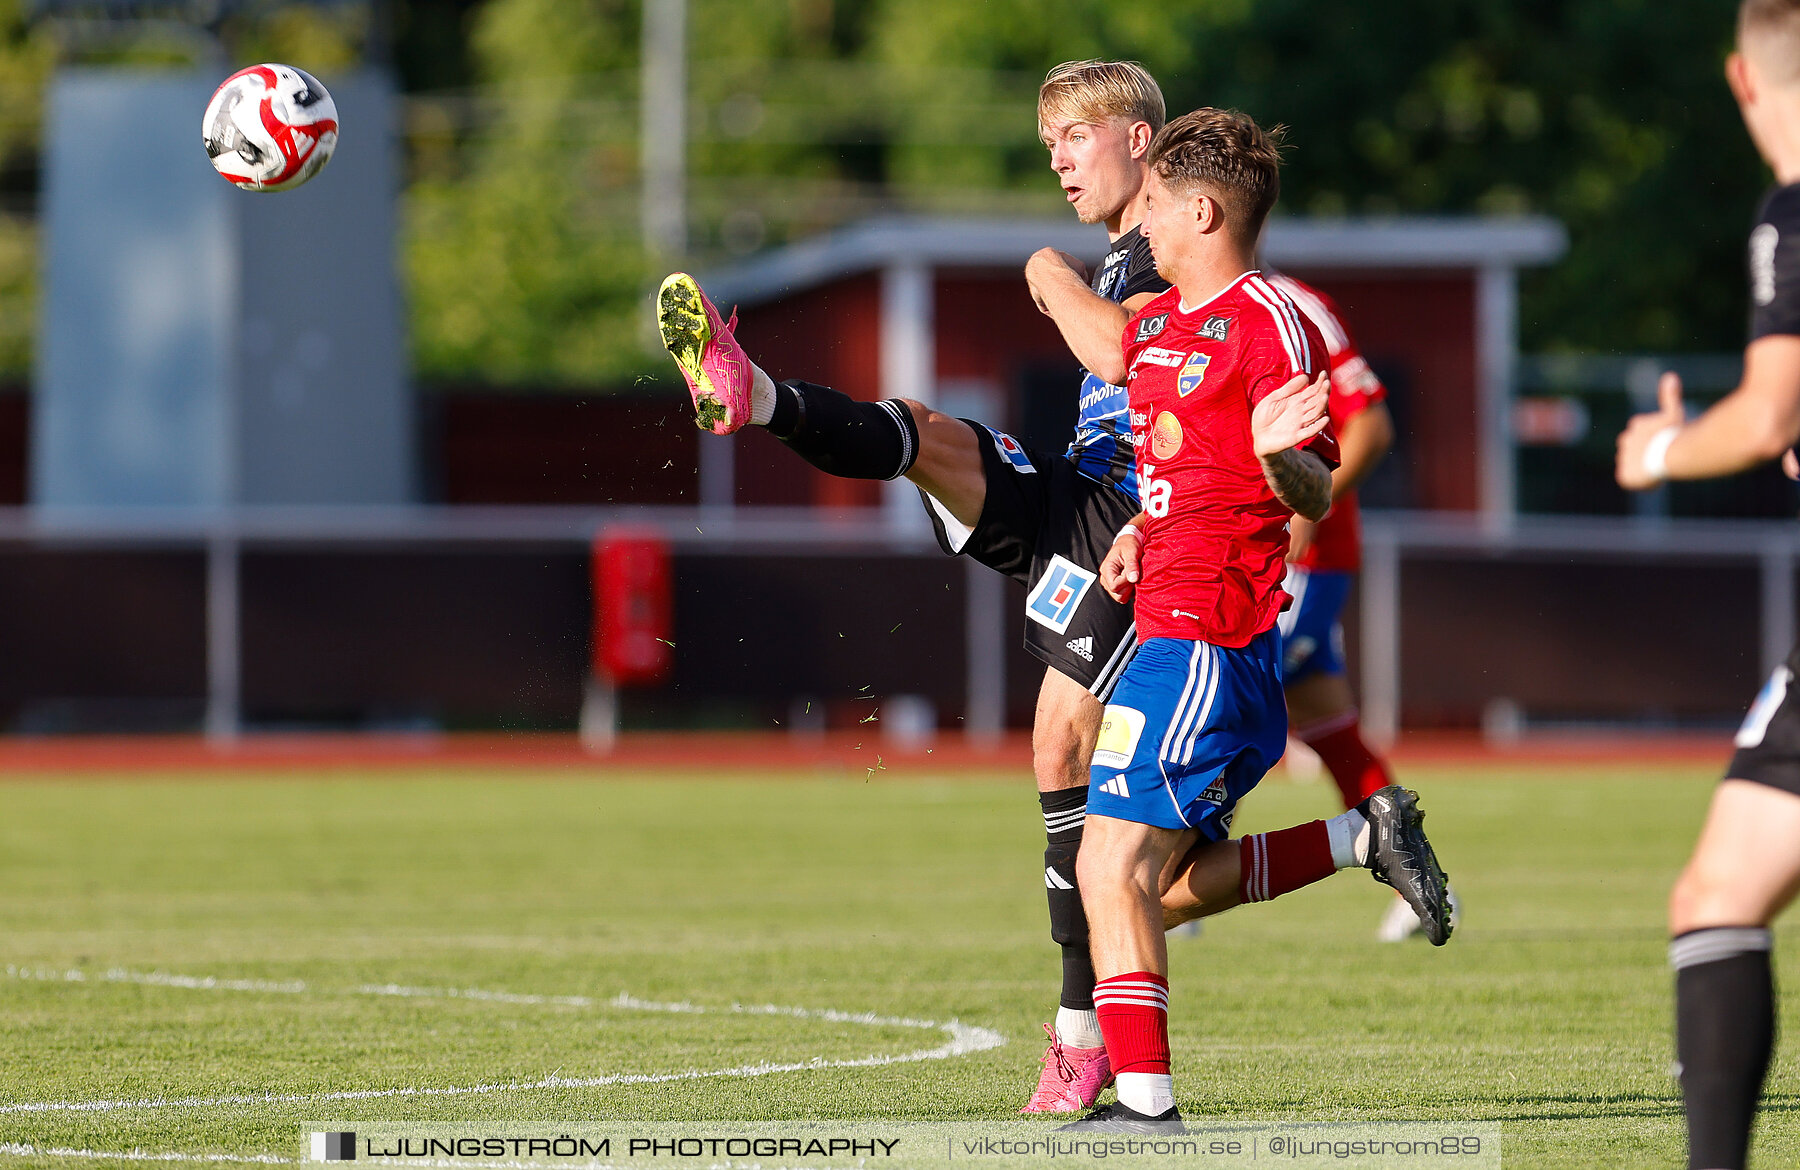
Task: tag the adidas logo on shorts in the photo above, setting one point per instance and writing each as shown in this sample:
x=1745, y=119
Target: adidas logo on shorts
x=1116, y=786
x=1083, y=647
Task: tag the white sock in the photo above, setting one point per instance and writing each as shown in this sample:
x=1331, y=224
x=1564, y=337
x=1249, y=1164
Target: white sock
x=1349, y=833
x=1148, y=1093
x=762, y=397
x=1079, y=1029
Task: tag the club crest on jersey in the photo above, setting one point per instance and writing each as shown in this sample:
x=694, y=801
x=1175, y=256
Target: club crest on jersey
x=1150, y=326
x=1216, y=328
x=1165, y=436
x=1058, y=594
x=1193, y=372
x=1013, y=452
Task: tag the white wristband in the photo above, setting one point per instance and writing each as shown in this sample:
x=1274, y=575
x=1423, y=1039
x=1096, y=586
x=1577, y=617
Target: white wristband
x=1656, y=452
x=1133, y=531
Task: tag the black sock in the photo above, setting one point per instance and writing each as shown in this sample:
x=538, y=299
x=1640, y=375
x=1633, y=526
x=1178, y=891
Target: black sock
x=1064, y=813
x=1724, y=1035
x=843, y=437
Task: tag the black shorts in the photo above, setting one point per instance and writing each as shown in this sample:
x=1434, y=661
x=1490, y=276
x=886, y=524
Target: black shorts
x=1047, y=526
x=1768, y=743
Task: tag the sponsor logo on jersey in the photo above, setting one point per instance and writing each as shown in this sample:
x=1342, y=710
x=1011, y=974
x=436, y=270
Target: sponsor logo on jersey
x=1158, y=356
x=1083, y=647
x=1112, y=271
x=1011, y=451
x=1762, y=262
x=1165, y=436
x=1150, y=326
x=1116, y=786
x=1225, y=820
x=1058, y=594
x=1215, y=792
x=1216, y=328
x=1096, y=393
x=1120, y=729
x=1193, y=372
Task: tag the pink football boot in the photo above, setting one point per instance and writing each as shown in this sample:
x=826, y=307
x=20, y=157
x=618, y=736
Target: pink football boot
x=714, y=364
x=1072, y=1080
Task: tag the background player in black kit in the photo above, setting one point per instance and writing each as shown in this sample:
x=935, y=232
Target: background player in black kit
x=1044, y=519
x=1746, y=868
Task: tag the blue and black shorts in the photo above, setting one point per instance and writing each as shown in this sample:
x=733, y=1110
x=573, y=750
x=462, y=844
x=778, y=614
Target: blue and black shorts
x=1190, y=729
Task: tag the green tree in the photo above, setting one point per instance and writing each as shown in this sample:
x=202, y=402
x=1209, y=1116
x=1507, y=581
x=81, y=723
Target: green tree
x=1610, y=115
x=520, y=267
x=26, y=58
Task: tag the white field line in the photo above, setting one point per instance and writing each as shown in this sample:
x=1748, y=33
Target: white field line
x=155, y=979
x=963, y=1039
x=23, y=1150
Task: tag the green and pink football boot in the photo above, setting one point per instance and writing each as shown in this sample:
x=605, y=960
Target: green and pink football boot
x=717, y=370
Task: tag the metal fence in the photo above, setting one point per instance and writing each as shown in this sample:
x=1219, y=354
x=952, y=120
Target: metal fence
x=1403, y=612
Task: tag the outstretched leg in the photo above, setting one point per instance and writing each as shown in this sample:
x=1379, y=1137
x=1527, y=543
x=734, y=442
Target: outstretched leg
x=1383, y=834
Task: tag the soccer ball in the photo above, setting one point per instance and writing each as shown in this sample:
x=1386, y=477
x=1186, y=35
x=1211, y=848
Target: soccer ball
x=270, y=127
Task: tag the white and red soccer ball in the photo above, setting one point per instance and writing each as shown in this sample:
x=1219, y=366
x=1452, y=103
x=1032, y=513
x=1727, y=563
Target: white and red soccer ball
x=270, y=127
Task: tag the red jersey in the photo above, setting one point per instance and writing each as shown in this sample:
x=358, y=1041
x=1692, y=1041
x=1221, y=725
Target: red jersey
x=1337, y=542
x=1216, y=542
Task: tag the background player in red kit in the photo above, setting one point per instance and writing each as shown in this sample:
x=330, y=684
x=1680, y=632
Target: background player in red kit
x=1323, y=559
x=1231, y=428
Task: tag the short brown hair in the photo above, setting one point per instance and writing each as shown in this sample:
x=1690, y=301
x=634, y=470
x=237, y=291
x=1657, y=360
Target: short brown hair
x=1096, y=91
x=1775, y=27
x=1226, y=151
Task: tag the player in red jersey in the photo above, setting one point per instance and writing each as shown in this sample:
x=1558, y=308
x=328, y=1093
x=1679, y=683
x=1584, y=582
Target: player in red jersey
x=1323, y=559
x=1229, y=416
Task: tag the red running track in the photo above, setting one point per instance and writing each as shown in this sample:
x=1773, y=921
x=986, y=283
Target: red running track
x=735, y=752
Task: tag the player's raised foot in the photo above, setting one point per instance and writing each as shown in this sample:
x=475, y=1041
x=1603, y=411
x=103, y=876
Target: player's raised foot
x=1401, y=857
x=1072, y=1077
x=1117, y=1118
x=717, y=370
x=1399, y=923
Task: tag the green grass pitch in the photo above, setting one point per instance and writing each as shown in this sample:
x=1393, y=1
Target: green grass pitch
x=1548, y=1014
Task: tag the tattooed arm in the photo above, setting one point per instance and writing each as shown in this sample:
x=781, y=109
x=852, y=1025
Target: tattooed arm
x=1299, y=480
x=1285, y=418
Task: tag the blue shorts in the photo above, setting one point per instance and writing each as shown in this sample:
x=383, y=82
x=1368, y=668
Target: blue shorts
x=1312, y=638
x=1190, y=729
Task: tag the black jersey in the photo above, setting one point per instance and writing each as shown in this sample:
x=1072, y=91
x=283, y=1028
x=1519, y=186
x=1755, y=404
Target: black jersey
x=1775, y=264
x=1102, y=447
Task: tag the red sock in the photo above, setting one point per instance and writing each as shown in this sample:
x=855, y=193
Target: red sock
x=1358, y=771
x=1273, y=864
x=1134, y=1018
